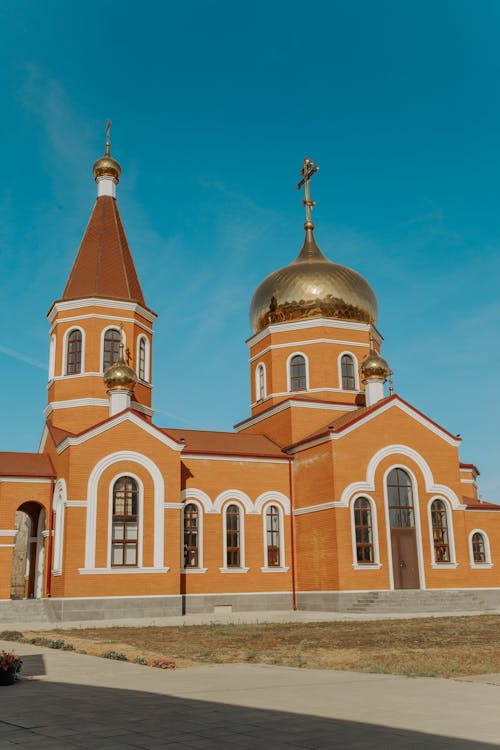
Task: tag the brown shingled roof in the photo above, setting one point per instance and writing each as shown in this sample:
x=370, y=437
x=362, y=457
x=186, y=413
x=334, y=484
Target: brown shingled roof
x=473, y=504
x=104, y=265
x=225, y=443
x=26, y=465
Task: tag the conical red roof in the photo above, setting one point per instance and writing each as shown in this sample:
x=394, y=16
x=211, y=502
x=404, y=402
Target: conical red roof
x=104, y=265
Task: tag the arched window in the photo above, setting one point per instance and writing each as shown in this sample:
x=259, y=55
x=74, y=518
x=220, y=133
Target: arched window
x=298, y=373
x=260, y=383
x=273, y=537
x=125, y=524
x=74, y=352
x=364, y=531
x=111, y=348
x=479, y=552
x=141, y=359
x=348, y=373
x=233, y=537
x=191, y=535
x=400, y=496
x=440, y=538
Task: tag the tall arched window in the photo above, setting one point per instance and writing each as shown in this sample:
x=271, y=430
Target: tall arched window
x=111, y=349
x=348, y=373
x=125, y=523
x=260, y=383
x=298, y=373
x=364, y=531
x=440, y=537
x=141, y=359
x=74, y=352
x=191, y=535
x=233, y=541
x=400, y=495
x=479, y=553
x=273, y=536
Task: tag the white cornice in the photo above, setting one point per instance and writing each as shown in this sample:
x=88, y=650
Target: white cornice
x=314, y=323
x=237, y=459
x=111, y=424
x=76, y=304
x=97, y=316
x=29, y=480
x=90, y=375
x=286, y=405
x=77, y=403
x=279, y=394
x=339, y=342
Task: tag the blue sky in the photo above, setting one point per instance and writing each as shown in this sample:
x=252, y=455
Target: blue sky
x=214, y=105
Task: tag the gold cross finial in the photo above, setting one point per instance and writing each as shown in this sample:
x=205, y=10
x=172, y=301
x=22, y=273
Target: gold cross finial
x=391, y=383
x=307, y=172
x=108, y=137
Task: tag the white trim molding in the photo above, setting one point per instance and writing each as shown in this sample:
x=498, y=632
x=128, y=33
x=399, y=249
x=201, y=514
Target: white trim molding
x=236, y=496
x=60, y=503
x=291, y=402
x=77, y=304
x=147, y=358
x=307, y=342
x=487, y=550
x=260, y=392
x=452, y=562
x=158, y=500
x=299, y=325
x=191, y=493
x=272, y=496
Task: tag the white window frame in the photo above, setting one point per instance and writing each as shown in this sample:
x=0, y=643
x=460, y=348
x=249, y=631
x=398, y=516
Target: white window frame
x=65, y=353
x=452, y=564
x=288, y=373
x=242, y=568
x=356, y=372
x=258, y=396
x=376, y=564
x=59, y=506
x=200, y=568
x=477, y=565
x=103, y=334
x=140, y=525
x=281, y=568
x=147, y=358
x=52, y=357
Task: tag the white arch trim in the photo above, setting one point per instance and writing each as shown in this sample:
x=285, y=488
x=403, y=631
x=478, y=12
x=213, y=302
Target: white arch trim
x=241, y=505
x=140, y=514
x=258, y=395
x=401, y=450
x=59, y=504
x=376, y=564
x=274, y=497
x=193, y=494
x=238, y=495
x=356, y=371
x=64, y=363
x=480, y=565
x=147, y=357
x=159, y=495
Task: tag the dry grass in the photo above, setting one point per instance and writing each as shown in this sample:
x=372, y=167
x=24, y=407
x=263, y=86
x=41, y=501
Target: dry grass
x=436, y=647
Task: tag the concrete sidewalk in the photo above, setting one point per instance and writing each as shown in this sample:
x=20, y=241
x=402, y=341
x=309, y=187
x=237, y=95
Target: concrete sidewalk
x=69, y=700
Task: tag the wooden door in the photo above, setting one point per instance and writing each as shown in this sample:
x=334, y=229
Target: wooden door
x=404, y=558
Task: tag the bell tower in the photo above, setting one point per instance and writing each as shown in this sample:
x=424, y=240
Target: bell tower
x=102, y=307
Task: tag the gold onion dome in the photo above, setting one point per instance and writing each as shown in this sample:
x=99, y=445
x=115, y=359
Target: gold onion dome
x=312, y=286
x=119, y=376
x=373, y=365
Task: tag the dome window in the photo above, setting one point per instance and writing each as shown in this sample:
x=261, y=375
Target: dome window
x=298, y=379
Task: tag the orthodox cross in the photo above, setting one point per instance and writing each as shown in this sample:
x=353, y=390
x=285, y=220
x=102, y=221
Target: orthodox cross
x=108, y=136
x=307, y=172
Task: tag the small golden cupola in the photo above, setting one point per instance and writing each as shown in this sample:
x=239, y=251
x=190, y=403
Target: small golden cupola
x=312, y=286
x=120, y=380
x=374, y=373
x=107, y=170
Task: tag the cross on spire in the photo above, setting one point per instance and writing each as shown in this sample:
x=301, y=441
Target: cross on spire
x=307, y=172
x=108, y=137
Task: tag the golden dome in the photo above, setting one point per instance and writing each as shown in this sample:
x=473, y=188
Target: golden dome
x=374, y=366
x=106, y=166
x=119, y=376
x=312, y=286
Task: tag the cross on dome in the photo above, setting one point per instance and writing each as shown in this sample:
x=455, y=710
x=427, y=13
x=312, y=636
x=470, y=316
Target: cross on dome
x=307, y=172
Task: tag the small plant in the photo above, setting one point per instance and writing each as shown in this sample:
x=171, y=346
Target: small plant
x=140, y=660
x=116, y=655
x=10, y=662
x=61, y=645
x=162, y=663
x=11, y=635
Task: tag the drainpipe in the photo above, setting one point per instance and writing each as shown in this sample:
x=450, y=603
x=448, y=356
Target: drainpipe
x=292, y=533
x=50, y=545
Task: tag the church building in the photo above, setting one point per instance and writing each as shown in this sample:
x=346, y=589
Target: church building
x=332, y=492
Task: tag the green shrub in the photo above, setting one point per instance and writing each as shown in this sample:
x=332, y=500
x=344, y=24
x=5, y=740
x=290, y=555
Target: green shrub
x=116, y=655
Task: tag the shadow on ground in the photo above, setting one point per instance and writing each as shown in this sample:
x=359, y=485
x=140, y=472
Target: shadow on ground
x=56, y=716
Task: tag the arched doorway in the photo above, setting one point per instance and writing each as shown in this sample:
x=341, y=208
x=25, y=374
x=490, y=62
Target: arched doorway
x=403, y=532
x=28, y=563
